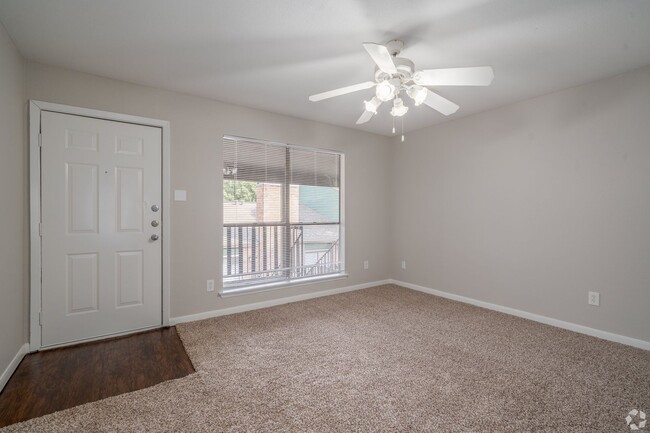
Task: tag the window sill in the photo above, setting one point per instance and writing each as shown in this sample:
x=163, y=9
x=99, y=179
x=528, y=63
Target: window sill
x=257, y=288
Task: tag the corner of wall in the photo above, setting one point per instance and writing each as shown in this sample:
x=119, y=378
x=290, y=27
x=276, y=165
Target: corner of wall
x=14, y=184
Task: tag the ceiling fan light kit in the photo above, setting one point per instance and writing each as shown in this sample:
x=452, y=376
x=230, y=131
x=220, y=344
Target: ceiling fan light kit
x=399, y=109
x=385, y=90
x=418, y=94
x=372, y=105
x=395, y=75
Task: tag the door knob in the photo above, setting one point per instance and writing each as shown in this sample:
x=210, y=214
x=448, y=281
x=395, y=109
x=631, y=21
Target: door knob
x=155, y=208
x=154, y=237
x=154, y=223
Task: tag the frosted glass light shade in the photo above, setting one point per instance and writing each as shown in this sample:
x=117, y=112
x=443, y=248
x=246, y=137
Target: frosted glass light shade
x=399, y=109
x=372, y=105
x=385, y=91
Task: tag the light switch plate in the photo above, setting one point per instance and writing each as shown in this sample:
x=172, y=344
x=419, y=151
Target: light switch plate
x=180, y=195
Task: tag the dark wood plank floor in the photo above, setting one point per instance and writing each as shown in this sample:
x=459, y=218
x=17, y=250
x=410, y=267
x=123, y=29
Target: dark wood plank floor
x=58, y=379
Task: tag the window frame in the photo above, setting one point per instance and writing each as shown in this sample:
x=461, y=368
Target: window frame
x=273, y=284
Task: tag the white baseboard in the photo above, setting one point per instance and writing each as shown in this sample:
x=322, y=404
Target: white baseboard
x=13, y=365
x=273, y=302
x=641, y=344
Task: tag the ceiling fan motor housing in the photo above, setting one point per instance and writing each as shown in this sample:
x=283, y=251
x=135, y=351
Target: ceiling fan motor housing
x=405, y=69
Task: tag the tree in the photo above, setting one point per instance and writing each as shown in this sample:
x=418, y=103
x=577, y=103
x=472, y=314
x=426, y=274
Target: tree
x=239, y=190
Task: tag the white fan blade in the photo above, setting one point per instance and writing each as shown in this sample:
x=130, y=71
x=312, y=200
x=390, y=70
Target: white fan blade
x=477, y=76
x=381, y=57
x=342, y=91
x=367, y=115
x=437, y=102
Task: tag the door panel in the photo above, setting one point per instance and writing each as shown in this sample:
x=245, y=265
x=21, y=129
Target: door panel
x=129, y=191
x=129, y=145
x=129, y=277
x=101, y=271
x=82, y=201
x=81, y=140
x=82, y=281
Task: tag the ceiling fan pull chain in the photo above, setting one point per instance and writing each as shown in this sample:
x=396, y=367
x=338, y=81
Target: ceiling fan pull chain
x=393, y=124
x=402, y=128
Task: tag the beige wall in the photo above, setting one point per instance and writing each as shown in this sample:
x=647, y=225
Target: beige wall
x=532, y=205
x=13, y=202
x=527, y=206
x=197, y=127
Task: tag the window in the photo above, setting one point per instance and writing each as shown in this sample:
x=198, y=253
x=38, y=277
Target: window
x=281, y=211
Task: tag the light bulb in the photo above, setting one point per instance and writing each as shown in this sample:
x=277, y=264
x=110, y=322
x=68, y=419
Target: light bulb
x=385, y=91
x=372, y=105
x=399, y=109
x=418, y=94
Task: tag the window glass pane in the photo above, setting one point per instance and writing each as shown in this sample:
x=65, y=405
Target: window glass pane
x=239, y=201
x=281, y=208
x=254, y=254
x=251, y=202
x=320, y=251
x=314, y=204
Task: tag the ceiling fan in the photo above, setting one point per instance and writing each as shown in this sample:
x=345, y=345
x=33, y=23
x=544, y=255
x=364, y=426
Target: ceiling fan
x=396, y=75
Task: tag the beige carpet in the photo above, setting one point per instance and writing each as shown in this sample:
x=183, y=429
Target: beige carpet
x=385, y=359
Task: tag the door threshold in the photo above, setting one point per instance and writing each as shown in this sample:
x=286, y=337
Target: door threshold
x=106, y=337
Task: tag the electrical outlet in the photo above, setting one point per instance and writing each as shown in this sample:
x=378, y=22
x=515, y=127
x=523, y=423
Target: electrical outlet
x=210, y=285
x=366, y=264
x=403, y=264
x=594, y=299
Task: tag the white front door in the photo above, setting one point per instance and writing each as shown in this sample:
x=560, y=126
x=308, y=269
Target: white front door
x=101, y=227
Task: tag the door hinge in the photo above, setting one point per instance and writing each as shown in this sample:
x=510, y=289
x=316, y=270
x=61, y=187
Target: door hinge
x=40, y=318
x=40, y=229
x=40, y=139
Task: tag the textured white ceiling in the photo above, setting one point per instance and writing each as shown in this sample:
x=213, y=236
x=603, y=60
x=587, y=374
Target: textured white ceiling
x=273, y=54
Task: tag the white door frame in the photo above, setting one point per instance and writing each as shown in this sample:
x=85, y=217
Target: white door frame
x=35, y=290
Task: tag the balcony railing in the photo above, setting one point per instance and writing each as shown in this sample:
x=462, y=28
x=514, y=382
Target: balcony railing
x=261, y=253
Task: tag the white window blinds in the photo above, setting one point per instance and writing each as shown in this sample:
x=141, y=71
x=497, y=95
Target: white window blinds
x=281, y=208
